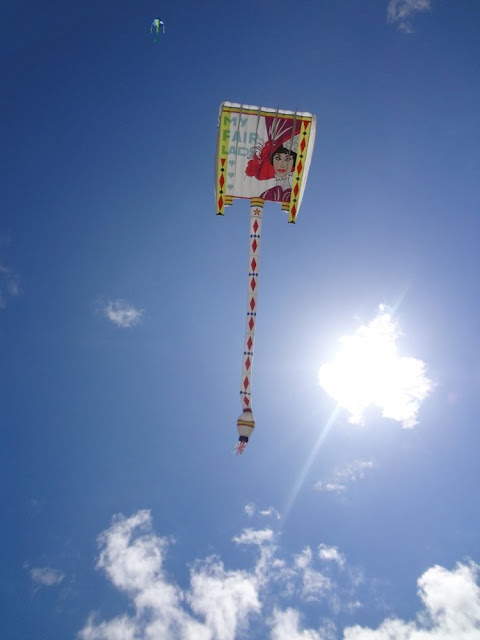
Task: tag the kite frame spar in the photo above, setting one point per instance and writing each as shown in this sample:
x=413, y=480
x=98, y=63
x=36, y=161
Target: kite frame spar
x=248, y=139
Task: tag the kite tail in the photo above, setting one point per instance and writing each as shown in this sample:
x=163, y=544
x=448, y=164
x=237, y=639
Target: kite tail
x=246, y=422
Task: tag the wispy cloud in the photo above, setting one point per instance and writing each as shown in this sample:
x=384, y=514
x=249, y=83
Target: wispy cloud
x=401, y=12
x=122, y=314
x=331, y=554
x=9, y=285
x=315, y=585
x=269, y=512
x=346, y=475
x=334, y=487
x=368, y=371
x=223, y=604
x=46, y=576
x=250, y=509
x=252, y=536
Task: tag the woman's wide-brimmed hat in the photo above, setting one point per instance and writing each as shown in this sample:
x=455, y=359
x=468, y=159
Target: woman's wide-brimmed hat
x=260, y=166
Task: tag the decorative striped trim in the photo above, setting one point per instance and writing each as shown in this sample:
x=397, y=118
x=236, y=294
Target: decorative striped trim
x=221, y=181
x=299, y=170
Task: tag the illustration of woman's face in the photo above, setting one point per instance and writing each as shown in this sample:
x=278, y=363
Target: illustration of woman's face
x=282, y=164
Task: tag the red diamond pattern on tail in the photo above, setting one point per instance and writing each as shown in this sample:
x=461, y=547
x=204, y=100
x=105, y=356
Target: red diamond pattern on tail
x=303, y=145
x=254, y=251
x=295, y=191
x=220, y=203
x=222, y=180
x=300, y=167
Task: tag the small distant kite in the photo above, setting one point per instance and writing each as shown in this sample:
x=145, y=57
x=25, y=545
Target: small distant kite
x=262, y=154
x=157, y=25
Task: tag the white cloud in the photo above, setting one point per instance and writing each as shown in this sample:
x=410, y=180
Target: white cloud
x=451, y=609
x=132, y=557
x=249, y=509
x=46, y=576
x=285, y=626
x=331, y=554
x=315, y=585
x=122, y=314
x=226, y=604
x=223, y=598
x=253, y=536
x=452, y=598
x=401, y=12
x=122, y=628
x=131, y=563
x=303, y=559
x=367, y=371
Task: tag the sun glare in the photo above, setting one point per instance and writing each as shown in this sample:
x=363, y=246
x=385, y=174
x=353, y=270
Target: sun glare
x=368, y=371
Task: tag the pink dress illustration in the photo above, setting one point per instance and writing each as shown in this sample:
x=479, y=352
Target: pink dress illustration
x=276, y=158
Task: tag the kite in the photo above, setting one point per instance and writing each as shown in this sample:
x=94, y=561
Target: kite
x=155, y=28
x=262, y=155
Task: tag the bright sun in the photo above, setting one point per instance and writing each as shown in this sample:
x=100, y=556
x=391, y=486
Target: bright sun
x=368, y=371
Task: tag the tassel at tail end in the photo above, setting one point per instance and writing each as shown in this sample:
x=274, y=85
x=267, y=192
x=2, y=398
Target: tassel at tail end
x=240, y=446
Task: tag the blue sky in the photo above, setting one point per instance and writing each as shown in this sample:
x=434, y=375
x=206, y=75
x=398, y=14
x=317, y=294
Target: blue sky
x=122, y=297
